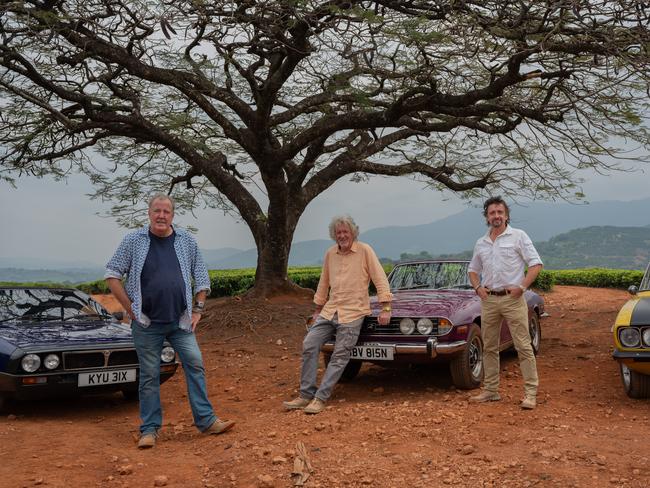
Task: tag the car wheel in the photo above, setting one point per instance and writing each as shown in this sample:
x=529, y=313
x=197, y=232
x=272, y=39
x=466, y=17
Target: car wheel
x=130, y=395
x=636, y=385
x=467, y=368
x=535, y=330
x=351, y=370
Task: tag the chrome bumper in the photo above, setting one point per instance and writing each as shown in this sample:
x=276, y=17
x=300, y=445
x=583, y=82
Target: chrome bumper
x=431, y=349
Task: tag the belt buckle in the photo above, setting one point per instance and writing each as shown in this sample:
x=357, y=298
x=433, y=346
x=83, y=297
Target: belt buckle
x=499, y=293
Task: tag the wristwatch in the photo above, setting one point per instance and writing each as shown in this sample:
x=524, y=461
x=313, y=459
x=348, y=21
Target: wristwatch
x=386, y=308
x=522, y=288
x=199, y=307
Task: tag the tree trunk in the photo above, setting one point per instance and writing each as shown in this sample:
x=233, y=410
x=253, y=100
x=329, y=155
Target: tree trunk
x=272, y=262
x=273, y=249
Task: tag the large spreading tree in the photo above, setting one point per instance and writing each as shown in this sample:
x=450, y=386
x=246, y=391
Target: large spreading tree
x=257, y=107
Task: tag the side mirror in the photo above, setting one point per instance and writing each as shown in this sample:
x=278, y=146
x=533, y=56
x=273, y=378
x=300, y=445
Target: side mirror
x=632, y=290
x=118, y=316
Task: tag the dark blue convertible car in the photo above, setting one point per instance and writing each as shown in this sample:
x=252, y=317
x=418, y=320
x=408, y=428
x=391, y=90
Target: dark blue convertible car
x=58, y=341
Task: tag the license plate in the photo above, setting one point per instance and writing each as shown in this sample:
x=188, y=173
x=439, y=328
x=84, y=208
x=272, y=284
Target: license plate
x=106, y=377
x=373, y=353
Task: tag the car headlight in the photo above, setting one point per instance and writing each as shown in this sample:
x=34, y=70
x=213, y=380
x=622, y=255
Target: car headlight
x=51, y=361
x=629, y=336
x=444, y=326
x=30, y=363
x=406, y=326
x=646, y=336
x=168, y=354
x=425, y=326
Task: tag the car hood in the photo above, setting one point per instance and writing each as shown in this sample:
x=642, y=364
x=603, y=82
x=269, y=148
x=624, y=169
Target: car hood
x=636, y=311
x=452, y=304
x=24, y=334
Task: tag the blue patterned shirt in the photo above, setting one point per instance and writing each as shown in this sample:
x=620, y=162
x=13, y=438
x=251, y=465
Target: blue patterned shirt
x=129, y=260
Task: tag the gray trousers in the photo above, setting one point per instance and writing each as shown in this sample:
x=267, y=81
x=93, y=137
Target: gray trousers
x=319, y=333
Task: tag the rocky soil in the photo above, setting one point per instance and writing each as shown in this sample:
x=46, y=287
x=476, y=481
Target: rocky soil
x=388, y=428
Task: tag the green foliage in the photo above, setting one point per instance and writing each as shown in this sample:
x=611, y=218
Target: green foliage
x=90, y=287
x=603, y=246
x=231, y=282
x=405, y=256
x=94, y=287
x=597, y=277
x=544, y=281
x=41, y=284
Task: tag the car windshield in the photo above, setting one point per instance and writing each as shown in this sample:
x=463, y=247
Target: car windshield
x=45, y=304
x=645, y=282
x=433, y=275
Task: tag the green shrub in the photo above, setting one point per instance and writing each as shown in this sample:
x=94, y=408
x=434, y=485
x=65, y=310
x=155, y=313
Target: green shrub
x=597, y=277
x=305, y=277
x=94, y=287
x=231, y=282
x=41, y=284
x=544, y=281
x=90, y=287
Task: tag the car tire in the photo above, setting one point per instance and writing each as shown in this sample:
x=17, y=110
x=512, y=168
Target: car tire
x=351, y=370
x=130, y=395
x=636, y=385
x=467, y=368
x=535, y=331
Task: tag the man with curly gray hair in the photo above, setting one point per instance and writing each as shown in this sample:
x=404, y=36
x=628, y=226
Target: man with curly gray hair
x=342, y=302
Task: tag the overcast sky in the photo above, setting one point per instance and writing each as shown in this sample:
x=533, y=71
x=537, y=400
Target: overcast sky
x=56, y=220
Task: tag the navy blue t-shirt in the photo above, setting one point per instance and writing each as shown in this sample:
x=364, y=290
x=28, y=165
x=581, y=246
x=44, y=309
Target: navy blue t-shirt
x=163, y=288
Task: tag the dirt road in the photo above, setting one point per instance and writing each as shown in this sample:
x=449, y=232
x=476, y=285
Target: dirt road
x=388, y=428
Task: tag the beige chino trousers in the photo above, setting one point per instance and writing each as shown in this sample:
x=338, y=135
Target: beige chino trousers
x=515, y=311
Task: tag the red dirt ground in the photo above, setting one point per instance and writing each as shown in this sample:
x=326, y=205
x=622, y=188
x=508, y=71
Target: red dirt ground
x=388, y=428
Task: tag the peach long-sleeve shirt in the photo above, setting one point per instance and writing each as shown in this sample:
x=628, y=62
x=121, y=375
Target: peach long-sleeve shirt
x=346, y=277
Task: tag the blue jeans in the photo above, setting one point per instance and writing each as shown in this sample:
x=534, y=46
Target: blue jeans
x=148, y=344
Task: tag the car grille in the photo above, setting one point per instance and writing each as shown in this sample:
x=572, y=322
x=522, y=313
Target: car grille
x=99, y=359
x=371, y=326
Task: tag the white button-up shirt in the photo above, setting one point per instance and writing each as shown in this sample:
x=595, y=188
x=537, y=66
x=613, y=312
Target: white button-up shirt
x=501, y=263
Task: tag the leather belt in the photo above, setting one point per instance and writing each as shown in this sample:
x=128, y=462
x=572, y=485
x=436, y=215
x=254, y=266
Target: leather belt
x=498, y=293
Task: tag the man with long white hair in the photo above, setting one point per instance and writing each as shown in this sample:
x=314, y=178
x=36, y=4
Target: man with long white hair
x=342, y=302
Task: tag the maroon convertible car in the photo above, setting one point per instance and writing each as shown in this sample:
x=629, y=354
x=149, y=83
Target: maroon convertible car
x=436, y=317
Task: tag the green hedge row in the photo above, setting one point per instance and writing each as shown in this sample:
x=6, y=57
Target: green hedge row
x=544, y=281
x=224, y=282
x=594, y=277
x=90, y=287
x=234, y=282
x=94, y=287
x=230, y=282
x=37, y=284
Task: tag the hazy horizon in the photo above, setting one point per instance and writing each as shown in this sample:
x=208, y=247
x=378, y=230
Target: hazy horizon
x=58, y=221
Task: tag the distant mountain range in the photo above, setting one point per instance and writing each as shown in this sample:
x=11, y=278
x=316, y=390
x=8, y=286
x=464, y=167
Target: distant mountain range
x=591, y=247
x=611, y=234
x=69, y=275
x=458, y=232
x=606, y=247
x=541, y=221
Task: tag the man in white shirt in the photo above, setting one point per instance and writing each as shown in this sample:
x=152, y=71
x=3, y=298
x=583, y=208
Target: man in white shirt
x=497, y=275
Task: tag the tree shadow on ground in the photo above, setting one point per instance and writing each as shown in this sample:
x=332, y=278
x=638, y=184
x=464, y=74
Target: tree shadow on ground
x=398, y=382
